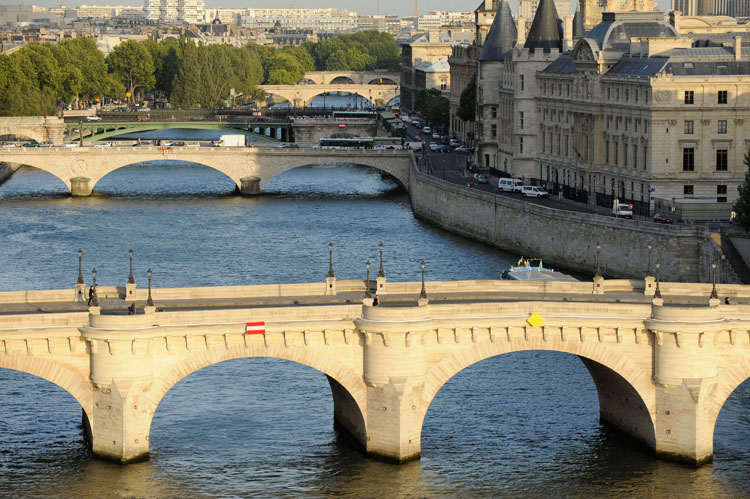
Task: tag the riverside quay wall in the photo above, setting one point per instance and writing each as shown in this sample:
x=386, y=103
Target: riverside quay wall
x=566, y=239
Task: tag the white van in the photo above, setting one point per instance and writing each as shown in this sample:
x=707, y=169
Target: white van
x=532, y=191
x=510, y=184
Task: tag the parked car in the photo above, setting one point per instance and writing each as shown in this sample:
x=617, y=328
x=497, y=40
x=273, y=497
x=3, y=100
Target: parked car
x=104, y=144
x=46, y=143
x=663, y=219
x=70, y=144
x=436, y=136
x=9, y=144
x=482, y=179
x=464, y=149
x=33, y=143
x=287, y=145
x=623, y=210
x=427, y=130
x=532, y=191
x=510, y=184
x=454, y=143
x=93, y=117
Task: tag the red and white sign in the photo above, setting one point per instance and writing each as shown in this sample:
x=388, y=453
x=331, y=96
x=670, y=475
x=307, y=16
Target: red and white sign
x=342, y=125
x=255, y=328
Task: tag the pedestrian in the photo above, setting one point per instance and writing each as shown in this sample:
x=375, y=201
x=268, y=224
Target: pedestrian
x=732, y=216
x=726, y=301
x=375, y=301
x=131, y=309
x=91, y=294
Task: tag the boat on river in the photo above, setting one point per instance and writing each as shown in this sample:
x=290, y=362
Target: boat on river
x=532, y=269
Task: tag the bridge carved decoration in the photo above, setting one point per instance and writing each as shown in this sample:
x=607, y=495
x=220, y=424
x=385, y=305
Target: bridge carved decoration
x=663, y=367
x=80, y=168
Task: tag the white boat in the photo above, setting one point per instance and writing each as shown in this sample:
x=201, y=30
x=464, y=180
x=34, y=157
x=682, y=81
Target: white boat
x=532, y=269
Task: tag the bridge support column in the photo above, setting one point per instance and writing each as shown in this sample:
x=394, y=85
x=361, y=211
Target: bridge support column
x=395, y=370
x=685, y=376
x=80, y=187
x=122, y=375
x=250, y=186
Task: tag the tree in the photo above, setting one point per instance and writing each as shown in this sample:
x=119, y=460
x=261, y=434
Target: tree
x=743, y=200
x=131, y=63
x=433, y=106
x=467, y=105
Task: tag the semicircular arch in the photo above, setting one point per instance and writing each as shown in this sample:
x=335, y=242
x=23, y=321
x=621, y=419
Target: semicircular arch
x=730, y=379
x=382, y=81
x=342, y=80
x=327, y=365
x=636, y=377
x=73, y=382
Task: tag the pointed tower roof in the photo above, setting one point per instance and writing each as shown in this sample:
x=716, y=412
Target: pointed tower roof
x=578, y=30
x=502, y=36
x=546, y=29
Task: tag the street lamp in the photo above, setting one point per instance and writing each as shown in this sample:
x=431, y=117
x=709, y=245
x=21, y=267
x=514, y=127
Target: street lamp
x=381, y=273
x=423, y=293
x=80, y=272
x=367, y=283
x=657, y=292
x=649, y=260
x=598, y=268
x=330, y=260
x=94, y=294
x=131, y=280
x=149, y=301
x=714, y=294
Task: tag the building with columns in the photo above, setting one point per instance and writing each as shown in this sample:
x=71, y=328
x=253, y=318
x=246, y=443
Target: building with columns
x=633, y=111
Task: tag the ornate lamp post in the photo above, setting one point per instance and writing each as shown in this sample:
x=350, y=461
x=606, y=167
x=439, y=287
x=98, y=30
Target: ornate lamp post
x=367, y=283
x=714, y=294
x=131, y=280
x=380, y=272
x=149, y=301
x=95, y=294
x=657, y=293
x=80, y=271
x=330, y=260
x=649, y=260
x=598, y=268
x=423, y=293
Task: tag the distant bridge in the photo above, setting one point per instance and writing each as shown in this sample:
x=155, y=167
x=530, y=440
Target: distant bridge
x=102, y=130
x=80, y=168
x=354, y=77
x=301, y=95
x=663, y=367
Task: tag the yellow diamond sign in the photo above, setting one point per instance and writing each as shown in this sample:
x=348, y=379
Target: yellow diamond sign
x=535, y=320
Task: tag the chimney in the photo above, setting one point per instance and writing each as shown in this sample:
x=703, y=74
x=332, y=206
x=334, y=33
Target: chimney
x=567, y=33
x=737, y=48
x=521, y=29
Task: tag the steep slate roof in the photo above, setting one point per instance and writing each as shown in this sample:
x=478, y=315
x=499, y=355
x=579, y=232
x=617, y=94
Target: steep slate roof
x=502, y=36
x=546, y=29
x=578, y=30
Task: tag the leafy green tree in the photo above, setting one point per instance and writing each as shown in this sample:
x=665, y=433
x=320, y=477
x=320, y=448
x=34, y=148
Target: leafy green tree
x=38, y=63
x=19, y=96
x=743, y=200
x=433, y=106
x=187, y=86
x=467, y=105
x=84, y=69
x=131, y=63
x=304, y=58
x=283, y=69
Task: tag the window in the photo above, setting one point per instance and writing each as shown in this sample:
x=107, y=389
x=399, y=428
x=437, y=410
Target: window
x=520, y=119
x=494, y=130
x=687, y=190
x=688, y=127
x=721, y=193
x=520, y=145
x=688, y=159
x=689, y=97
x=721, y=160
x=521, y=82
x=722, y=128
x=493, y=110
x=722, y=97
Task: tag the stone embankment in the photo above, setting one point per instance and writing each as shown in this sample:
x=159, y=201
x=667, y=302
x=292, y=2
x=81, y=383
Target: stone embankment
x=568, y=239
x=6, y=170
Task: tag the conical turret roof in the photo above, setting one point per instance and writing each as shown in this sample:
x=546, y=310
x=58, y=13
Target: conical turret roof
x=546, y=29
x=502, y=36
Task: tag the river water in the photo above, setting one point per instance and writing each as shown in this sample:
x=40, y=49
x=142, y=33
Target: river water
x=524, y=424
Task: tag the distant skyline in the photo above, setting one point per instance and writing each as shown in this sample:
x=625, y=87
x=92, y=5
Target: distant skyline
x=393, y=7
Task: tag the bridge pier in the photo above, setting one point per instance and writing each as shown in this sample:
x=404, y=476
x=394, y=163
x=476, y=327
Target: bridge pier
x=81, y=187
x=395, y=368
x=250, y=186
x=122, y=375
x=685, y=378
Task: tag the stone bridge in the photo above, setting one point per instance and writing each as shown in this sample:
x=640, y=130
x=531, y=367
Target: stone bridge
x=357, y=77
x=300, y=95
x=39, y=128
x=80, y=168
x=663, y=366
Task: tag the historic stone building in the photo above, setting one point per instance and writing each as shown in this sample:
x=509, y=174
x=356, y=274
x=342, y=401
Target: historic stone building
x=633, y=111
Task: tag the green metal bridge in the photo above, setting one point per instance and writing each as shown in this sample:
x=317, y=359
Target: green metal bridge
x=102, y=130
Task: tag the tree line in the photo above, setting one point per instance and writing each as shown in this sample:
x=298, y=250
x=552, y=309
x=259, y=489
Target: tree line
x=37, y=77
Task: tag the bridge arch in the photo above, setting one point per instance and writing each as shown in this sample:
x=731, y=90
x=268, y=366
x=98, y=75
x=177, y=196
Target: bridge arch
x=603, y=366
x=73, y=382
x=382, y=81
x=351, y=382
x=342, y=80
x=729, y=380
